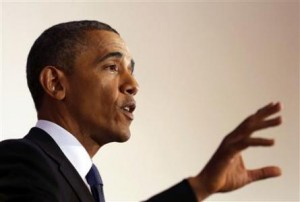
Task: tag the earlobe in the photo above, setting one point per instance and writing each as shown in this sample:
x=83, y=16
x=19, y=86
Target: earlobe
x=52, y=81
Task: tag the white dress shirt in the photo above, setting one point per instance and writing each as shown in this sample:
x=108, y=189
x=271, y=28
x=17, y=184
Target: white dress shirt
x=70, y=146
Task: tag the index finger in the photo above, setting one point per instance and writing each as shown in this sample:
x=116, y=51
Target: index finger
x=268, y=110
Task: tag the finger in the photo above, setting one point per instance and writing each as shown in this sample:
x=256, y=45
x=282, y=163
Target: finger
x=255, y=122
x=269, y=123
x=259, y=142
x=252, y=124
x=252, y=142
x=263, y=173
x=268, y=110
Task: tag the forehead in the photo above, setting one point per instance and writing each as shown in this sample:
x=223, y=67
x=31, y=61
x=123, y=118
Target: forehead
x=103, y=42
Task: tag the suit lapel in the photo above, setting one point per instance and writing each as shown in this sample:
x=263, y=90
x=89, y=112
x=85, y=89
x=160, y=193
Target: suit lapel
x=48, y=145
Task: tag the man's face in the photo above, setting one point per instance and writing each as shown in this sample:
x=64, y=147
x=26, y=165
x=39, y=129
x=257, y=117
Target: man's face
x=101, y=88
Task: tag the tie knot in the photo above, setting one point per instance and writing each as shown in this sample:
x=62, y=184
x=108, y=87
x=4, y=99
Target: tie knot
x=93, y=177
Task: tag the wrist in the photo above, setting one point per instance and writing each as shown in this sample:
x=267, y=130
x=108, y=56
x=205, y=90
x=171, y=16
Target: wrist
x=199, y=188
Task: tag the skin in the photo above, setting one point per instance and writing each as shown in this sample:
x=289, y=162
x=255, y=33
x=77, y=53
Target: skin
x=226, y=170
x=90, y=101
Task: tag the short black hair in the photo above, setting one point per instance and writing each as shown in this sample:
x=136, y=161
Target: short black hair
x=57, y=46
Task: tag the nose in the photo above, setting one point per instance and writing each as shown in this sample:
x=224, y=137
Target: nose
x=130, y=86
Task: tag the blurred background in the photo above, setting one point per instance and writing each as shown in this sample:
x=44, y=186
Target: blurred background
x=202, y=66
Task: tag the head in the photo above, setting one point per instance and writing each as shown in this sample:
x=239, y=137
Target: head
x=57, y=46
x=80, y=73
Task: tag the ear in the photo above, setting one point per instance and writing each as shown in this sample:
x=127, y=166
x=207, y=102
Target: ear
x=52, y=80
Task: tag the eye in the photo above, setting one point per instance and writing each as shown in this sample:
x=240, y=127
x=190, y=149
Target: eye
x=131, y=70
x=112, y=68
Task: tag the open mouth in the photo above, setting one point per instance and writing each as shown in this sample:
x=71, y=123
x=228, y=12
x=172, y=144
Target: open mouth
x=128, y=109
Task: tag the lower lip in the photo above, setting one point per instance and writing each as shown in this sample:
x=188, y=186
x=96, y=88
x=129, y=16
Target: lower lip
x=129, y=115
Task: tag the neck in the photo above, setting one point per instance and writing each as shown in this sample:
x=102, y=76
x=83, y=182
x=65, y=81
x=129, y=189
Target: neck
x=64, y=120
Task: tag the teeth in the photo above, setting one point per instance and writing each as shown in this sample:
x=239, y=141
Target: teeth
x=127, y=109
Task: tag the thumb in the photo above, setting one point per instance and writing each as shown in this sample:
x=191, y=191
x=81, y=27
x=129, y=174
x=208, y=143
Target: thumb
x=263, y=173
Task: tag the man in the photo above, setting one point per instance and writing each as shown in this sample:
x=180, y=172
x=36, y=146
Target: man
x=80, y=75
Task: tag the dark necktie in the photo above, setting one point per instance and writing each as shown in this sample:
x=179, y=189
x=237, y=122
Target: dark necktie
x=94, y=180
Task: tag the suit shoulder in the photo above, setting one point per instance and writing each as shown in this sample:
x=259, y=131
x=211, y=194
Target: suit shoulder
x=11, y=144
x=25, y=172
x=18, y=148
x=22, y=155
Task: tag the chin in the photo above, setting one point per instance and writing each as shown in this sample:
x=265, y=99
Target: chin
x=123, y=137
x=107, y=136
x=118, y=136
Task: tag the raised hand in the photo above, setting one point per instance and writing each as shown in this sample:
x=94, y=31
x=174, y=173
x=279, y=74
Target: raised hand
x=226, y=171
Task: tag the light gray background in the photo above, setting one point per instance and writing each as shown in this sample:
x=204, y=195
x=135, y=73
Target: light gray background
x=202, y=68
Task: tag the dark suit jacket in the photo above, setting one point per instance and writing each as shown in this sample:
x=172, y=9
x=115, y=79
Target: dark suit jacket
x=35, y=169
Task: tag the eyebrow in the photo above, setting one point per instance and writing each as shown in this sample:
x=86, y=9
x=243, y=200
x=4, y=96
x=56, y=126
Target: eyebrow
x=111, y=54
x=117, y=55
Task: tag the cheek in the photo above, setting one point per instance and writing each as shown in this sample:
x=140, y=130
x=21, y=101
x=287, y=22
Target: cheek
x=108, y=91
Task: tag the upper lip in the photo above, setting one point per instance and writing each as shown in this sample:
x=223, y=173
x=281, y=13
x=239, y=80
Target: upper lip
x=129, y=106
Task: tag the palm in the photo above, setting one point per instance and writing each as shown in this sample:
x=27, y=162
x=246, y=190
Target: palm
x=226, y=171
x=235, y=176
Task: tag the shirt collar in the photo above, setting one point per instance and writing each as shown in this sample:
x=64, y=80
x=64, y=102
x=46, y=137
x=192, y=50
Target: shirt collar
x=69, y=145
